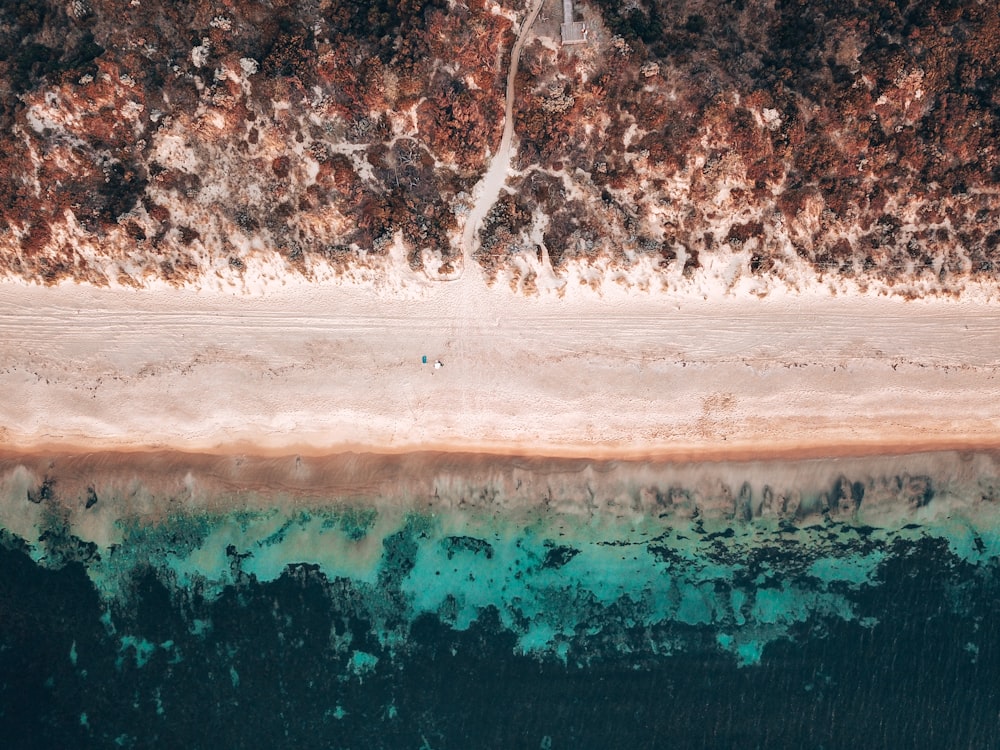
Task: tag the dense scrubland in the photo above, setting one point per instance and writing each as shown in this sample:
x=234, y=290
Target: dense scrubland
x=166, y=131
x=852, y=138
x=857, y=137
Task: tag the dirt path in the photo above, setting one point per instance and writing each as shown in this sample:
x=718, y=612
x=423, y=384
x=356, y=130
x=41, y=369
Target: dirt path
x=469, y=286
x=488, y=189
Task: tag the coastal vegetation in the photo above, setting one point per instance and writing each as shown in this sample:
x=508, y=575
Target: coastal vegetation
x=852, y=138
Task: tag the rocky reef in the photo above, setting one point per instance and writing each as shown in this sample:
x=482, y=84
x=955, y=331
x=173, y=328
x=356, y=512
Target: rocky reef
x=137, y=602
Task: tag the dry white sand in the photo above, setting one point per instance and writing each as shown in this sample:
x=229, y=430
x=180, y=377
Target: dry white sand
x=324, y=368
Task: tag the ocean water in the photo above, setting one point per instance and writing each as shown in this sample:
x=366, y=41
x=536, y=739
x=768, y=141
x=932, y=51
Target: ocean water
x=448, y=601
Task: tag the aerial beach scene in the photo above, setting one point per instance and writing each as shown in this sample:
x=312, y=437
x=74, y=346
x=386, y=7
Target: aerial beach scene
x=542, y=374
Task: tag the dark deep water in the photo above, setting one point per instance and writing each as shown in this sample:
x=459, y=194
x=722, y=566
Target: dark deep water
x=809, y=629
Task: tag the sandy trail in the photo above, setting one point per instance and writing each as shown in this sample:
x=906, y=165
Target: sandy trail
x=322, y=369
x=488, y=189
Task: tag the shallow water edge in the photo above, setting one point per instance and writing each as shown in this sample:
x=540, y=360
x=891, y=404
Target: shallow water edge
x=383, y=600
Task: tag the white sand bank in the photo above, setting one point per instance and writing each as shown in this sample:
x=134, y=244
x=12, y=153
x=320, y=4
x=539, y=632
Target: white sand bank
x=319, y=369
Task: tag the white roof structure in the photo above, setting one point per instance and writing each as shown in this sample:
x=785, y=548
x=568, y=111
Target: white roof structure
x=573, y=32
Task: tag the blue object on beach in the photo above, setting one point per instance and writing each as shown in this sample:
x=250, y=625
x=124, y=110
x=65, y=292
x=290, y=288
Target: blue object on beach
x=423, y=360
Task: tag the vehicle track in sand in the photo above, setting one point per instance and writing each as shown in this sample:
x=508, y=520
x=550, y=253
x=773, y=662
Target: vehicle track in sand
x=96, y=322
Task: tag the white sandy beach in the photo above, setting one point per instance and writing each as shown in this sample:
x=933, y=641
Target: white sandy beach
x=324, y=368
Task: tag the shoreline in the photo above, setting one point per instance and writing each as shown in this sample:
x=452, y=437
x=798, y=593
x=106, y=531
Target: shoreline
x=730, y=452
x=94, y=492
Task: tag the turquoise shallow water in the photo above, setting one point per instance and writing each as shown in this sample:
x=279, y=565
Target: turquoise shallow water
x=371, y=568
x=656, y=544
x=552, y=582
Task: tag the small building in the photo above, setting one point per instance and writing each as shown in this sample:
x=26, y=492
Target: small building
x=573, y=32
